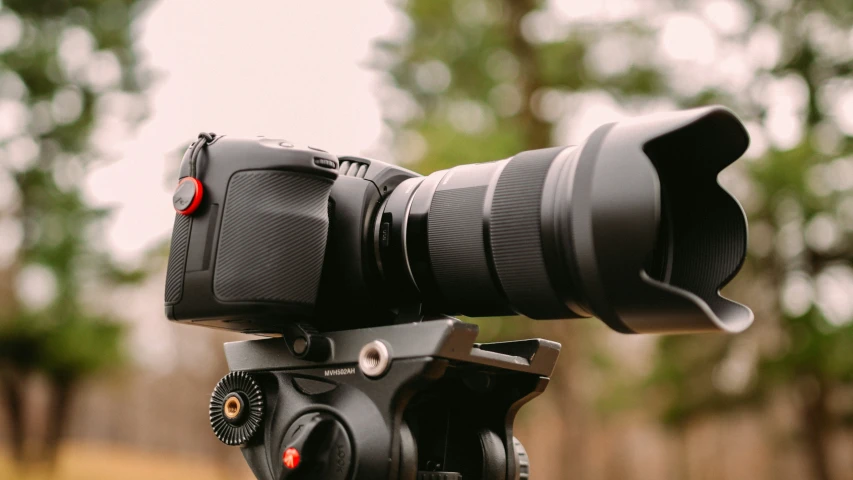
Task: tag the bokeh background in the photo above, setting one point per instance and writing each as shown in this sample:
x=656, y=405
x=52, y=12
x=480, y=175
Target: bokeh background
x=98, y=98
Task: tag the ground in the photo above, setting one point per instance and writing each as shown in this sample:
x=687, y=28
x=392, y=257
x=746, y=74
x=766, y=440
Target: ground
x=102, y=462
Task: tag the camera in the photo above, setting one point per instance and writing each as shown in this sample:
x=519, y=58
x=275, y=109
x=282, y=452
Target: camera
x=631, y=227
x=353, y=267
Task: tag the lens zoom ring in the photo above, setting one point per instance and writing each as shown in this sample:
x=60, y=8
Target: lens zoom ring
x=515, y=231
x=458, y=253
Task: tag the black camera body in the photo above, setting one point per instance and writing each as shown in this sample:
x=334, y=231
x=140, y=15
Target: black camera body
x=281, y=234
x=631, y=227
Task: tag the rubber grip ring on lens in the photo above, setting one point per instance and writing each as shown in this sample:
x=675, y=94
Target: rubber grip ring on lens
x=516, y=236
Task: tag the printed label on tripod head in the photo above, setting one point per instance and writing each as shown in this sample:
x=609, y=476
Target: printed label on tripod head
x=336, y=372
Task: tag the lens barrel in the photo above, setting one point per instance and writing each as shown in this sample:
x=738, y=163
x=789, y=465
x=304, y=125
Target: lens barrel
x=631, y=227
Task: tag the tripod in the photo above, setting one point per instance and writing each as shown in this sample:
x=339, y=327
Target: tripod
x=418, y=401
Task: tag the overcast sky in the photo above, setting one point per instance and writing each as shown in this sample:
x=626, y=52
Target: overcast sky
x=293, y=69
x=299, y=70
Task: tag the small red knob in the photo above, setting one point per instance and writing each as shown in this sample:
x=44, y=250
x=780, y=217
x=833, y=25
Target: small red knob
x=291, y=458
x=187, y=196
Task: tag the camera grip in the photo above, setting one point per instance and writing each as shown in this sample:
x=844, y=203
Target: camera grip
x=273, y=237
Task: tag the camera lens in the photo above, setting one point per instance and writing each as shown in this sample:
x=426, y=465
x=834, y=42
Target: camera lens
x=631, y=227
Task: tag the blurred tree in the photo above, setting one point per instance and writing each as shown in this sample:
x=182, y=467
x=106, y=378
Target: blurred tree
x=473, y=87
x=798, y=193
x=478, y=81
x=67, y=72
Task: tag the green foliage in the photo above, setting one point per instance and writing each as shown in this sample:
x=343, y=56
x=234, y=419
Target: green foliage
x=21, y=342
x=72, y=60
x=796, y=190
x=462, y=63
x=65, y=350
x=79, y=347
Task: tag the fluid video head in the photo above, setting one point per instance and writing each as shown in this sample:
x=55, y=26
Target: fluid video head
x=339, y=259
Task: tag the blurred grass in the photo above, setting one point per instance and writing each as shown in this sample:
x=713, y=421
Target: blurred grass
x=83, y=461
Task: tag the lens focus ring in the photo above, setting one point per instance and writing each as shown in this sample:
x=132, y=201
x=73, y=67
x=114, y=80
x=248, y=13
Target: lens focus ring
x=516, y=236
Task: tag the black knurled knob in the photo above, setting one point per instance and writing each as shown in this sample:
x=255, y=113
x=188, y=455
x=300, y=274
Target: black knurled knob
x=236, y=408
x=522, y=461
x=439, y=476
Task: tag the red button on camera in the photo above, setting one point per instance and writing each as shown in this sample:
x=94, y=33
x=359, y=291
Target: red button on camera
x=187, y=196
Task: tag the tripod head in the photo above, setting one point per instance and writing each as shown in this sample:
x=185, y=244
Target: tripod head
x=417, y=401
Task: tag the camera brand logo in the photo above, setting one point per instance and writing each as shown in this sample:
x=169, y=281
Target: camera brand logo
x=335, y=372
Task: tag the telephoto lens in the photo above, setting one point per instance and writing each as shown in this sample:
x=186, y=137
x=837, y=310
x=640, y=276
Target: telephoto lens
x=631, y=227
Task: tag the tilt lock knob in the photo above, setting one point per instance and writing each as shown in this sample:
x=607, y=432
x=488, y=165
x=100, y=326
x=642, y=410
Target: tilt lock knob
x=316, y=446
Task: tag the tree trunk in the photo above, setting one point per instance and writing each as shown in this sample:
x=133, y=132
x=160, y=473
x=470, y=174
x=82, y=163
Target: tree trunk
x=571, y=423
x=57, y=418
x=815, y=417
x=537, y=133
x=681, y=462
x=13, y=395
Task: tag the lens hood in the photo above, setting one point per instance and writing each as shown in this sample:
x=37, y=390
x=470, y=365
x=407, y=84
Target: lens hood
x=653, y=235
